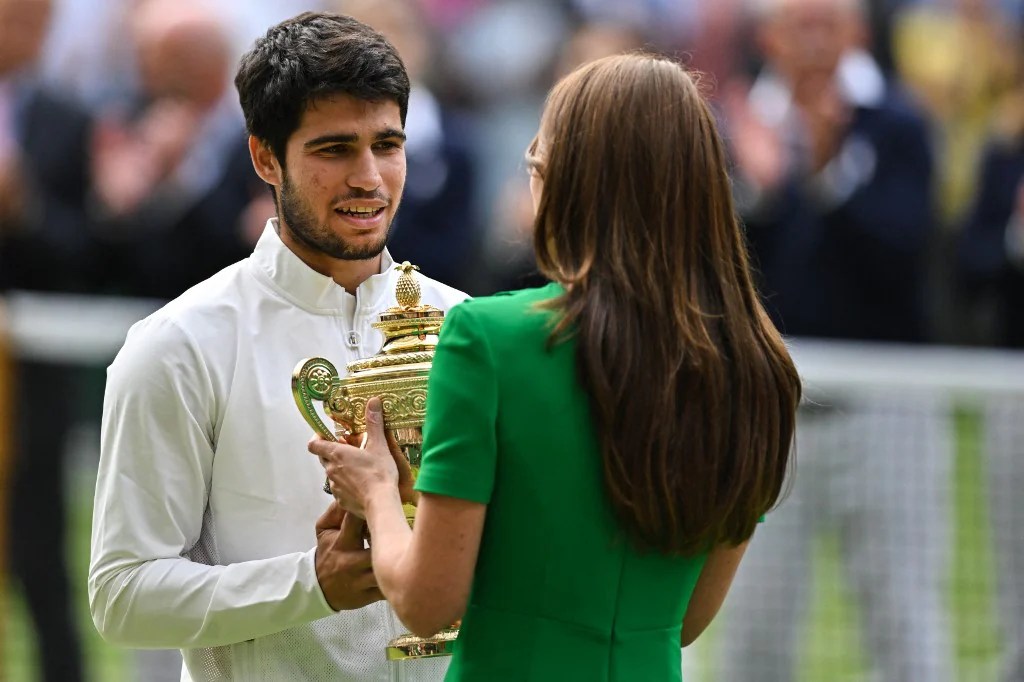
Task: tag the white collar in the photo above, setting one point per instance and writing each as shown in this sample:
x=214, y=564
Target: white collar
x=310, y=290
x=860, y=82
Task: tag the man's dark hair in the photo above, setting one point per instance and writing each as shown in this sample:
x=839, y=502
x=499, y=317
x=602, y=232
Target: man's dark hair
x=310, y=56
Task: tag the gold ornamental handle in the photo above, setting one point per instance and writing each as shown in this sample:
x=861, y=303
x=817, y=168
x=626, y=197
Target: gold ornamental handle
x=314, y=379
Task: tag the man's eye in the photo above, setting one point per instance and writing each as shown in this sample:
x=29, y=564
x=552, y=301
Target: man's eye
x=386, y=146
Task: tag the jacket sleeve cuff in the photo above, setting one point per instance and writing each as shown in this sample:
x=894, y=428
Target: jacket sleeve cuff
x=319, y=608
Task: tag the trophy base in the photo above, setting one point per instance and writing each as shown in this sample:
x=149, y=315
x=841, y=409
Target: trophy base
x=411, y=646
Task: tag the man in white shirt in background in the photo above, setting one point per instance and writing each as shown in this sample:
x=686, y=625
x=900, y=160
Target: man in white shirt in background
x=206, y=500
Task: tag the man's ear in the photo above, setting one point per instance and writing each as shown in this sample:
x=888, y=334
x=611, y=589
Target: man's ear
x=265, y=162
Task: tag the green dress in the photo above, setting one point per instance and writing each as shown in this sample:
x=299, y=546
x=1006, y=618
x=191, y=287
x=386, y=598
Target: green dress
x=558, y=593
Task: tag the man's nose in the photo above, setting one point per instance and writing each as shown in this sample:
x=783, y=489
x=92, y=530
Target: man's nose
x=365, y=175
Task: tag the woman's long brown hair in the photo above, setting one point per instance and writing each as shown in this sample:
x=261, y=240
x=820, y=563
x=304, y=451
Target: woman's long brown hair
x=693, y=392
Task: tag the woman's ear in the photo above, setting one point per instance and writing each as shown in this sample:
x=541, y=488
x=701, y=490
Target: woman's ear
x=265, y=162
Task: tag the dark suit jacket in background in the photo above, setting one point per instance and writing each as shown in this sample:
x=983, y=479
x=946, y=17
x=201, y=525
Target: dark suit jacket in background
x=53, y=251
x=985, y=268
x=855, y=270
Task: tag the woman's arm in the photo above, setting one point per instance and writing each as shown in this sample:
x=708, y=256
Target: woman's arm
x=427, y=573
x=710, y=591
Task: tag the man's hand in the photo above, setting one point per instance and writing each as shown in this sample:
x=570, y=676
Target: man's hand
x=759, y=151
x=343, y=566
x=826, y=118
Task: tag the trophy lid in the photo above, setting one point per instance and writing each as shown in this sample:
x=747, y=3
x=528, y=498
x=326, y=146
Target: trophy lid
x=410, y=329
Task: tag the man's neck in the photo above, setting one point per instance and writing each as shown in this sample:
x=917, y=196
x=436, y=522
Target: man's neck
x=349, y=274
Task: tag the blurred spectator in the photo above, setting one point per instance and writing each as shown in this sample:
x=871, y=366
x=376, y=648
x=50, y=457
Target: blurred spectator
x=834, y=179
x=44, y=245
x=447, y=14
x=663, y=20
x=718, y=42
x=172, y=181
x=992, y=266
x=502, y=55
x=436, y=226
x=992, y=243
x=833, y=174
x=510, y=253
x=958, y=57
x=43, y=164
x=87, y=54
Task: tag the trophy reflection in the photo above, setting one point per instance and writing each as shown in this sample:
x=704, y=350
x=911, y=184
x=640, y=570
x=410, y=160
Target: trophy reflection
x=398, y=376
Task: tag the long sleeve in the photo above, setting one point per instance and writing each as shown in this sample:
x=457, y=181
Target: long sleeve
x=158, y=447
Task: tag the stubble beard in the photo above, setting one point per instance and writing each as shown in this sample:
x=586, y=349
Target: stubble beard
x=302, y=223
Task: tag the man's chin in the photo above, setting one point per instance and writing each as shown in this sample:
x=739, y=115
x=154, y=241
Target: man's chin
x=359, y=252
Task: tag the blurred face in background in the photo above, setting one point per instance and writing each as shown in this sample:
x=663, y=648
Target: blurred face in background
x=342, y=181
x=803, y=40
x=23, y=29
x=183, y=52
x=402, y=22
x=594, y=41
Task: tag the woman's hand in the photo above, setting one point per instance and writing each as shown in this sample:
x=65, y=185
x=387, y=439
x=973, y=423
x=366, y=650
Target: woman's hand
x=357, y=473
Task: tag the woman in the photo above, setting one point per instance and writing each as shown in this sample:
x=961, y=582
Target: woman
x=597, y=452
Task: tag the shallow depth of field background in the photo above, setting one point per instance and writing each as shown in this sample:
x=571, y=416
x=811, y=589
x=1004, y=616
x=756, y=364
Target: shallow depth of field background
x=944, y=418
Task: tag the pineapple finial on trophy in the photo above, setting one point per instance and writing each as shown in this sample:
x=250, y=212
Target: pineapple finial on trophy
x=407, y=291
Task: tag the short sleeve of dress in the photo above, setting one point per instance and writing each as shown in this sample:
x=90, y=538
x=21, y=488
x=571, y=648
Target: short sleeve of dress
x=459, y=435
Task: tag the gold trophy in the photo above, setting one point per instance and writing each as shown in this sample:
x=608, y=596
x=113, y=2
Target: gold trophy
x=398, y=376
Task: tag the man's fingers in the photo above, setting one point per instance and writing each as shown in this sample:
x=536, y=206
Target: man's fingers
x=366, y=581
x=351, y=536
x=332, y=517
x=357, y=561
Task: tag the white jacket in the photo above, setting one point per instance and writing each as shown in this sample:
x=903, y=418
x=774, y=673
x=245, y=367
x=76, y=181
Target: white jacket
x=203, y=529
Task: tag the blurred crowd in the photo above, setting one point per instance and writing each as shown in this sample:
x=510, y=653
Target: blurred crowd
x=877, y=150
x=123, y=164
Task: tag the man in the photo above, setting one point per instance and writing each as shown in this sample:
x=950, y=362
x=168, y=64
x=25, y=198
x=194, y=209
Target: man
x=45, y=246
x=437, y=227
x=834, y=177
x=179, y=170
x=991, y=265
x=203, y=533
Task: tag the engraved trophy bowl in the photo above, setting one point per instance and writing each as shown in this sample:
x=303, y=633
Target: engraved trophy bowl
x=398, y=376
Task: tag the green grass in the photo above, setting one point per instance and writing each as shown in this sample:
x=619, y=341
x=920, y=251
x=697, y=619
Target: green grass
x=832, y=649
x=972, y=574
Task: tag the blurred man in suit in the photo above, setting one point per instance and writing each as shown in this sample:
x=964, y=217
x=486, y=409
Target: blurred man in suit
x=991, y=260
x=175, y=172
x=45, y=245
x=834, y=180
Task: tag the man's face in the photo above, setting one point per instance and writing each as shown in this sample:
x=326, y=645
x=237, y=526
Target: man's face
x=343, y=177
x=804, y=39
